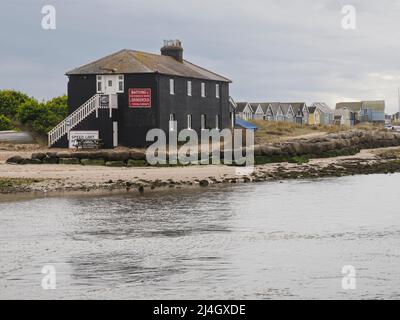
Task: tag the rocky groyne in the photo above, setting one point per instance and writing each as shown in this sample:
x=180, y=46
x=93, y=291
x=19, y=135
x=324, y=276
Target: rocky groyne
x=298, y=150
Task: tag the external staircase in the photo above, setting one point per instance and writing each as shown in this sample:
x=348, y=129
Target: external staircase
x=98, y=101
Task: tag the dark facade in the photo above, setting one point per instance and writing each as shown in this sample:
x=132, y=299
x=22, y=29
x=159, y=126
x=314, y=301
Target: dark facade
x=135, y=122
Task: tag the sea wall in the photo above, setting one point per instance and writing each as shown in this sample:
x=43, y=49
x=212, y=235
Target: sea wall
x=329, y=145
x=334, y=144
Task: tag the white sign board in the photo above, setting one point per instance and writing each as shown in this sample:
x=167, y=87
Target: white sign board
x=74, y=135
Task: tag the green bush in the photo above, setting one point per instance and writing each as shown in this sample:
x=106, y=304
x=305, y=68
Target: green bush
x=42, y=117
x=10, y=100
x=5, y=123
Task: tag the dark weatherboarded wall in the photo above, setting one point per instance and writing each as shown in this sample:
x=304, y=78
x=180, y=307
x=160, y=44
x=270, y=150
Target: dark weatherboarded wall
x=134, y=123
x=181, y=104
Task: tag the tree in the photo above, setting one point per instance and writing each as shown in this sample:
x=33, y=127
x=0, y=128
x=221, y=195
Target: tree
x=5, y=123
x=10, y=100
x=42, y=117
x=59, y=106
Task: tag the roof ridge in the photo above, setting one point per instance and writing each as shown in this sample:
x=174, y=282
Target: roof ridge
x=97, y=60
x=135, y=61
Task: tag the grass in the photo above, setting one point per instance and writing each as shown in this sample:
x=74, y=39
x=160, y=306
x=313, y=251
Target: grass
x=269, y=131
x=10, y=184
x=389, y=154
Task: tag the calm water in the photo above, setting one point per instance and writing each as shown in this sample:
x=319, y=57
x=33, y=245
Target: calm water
x=265, y=241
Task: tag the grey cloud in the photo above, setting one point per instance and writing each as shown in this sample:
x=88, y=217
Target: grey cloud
x=272, y=50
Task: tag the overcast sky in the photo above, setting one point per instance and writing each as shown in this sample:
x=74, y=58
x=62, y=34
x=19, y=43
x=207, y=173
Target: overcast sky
x=273, y=50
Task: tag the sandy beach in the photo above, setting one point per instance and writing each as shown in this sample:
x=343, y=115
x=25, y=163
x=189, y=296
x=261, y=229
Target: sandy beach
x=52, y=178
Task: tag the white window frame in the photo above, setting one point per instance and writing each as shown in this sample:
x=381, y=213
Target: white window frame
x=203, y=122
x=189, y=88
x=217, y=122
x=172, y=122
x=203, y=90
x=217, y=93
x=189, y=122
x=99, y=81
x=121, y=83
x=171, y=86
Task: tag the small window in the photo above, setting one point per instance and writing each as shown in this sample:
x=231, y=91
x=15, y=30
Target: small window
x=217, y=122
x=203, y=89
x=203, y=122
x=99, y=84
x=110, y=83
x=189, y=88
x=171, y=86
x=121, y=83
x=217, y=91
x=189, y=121
x=172, y=122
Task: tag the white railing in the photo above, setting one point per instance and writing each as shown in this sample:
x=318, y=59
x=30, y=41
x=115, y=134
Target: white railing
x=73, y=119
x=90, y=106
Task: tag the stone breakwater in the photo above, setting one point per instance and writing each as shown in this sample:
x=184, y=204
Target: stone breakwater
x=320, y=153
x=315, y=169
x=96, y=158
x=330, y=145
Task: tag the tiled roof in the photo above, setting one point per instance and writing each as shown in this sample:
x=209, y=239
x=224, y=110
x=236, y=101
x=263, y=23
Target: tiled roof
x=130, y=61
x=373, y=105
x=323, y=107
x=241, y=106
x=353, y=106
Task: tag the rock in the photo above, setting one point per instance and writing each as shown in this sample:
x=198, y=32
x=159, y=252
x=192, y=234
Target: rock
x=65, y=155
x=69, y=161
x=141, y=189
x=115, y=164
x=268, y=151
x=117, y=156
x=31, y=161
x=15, y=160
x=136, y=163
x=51, y=154
x=93, y=162
x=204, y=183
x=81, y=155
x=95, y=155
x=136, y=155
x=38, y=156
x=50, y=160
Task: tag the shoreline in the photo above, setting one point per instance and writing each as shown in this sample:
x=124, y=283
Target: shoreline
x=34, y=181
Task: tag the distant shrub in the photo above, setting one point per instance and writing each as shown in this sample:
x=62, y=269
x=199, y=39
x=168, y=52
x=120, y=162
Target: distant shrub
x=10, y=101
x=5, y=123
x=42, y=117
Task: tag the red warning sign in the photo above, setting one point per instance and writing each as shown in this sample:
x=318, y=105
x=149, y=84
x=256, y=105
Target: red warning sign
x=139, y=98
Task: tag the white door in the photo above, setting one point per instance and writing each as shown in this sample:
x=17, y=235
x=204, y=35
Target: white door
x=115, y=134
x=111, y=84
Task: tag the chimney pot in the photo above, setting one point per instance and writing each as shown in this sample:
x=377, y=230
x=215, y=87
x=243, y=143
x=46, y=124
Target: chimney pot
x=173, y=48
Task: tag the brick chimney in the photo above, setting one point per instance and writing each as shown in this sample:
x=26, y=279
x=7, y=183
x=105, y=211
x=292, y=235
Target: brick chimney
x=173, y=48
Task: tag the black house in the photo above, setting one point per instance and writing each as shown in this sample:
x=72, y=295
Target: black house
x=120, y=97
